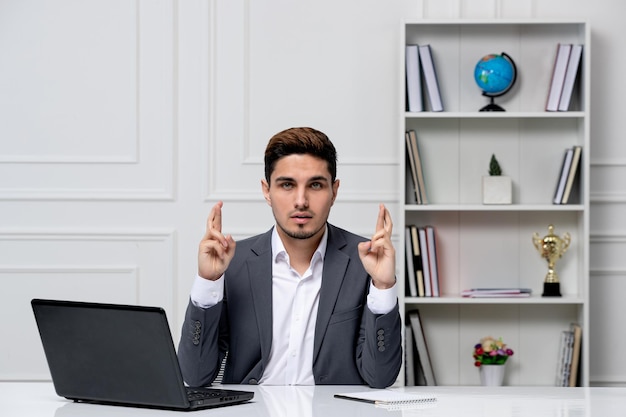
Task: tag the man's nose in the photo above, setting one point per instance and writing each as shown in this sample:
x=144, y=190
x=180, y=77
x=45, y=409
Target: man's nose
x=302, y=199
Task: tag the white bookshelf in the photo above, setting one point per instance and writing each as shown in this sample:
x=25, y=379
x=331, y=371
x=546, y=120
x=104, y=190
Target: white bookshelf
x=491, y=246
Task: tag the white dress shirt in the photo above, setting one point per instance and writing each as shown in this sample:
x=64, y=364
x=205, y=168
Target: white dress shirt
x=295, y=300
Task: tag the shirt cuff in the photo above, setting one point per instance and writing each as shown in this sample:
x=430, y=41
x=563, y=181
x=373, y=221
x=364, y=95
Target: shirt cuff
x=382, y=301
x=206, y=293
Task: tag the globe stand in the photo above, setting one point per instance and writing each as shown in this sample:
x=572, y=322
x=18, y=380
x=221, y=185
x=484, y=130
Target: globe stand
x=491, y=106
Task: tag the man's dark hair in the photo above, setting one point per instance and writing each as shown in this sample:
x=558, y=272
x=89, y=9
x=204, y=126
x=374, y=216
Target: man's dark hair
x=300, y=140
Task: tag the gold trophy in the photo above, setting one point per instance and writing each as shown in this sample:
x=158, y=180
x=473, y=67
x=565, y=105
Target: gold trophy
x=551, y=248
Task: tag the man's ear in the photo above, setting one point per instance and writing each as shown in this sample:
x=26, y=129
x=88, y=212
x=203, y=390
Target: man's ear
x=265, y=187
x=335, y=189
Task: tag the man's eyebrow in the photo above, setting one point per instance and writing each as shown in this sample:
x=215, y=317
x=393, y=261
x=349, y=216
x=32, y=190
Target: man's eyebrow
x=318, y=178
x=312, y=179
x=280, y=179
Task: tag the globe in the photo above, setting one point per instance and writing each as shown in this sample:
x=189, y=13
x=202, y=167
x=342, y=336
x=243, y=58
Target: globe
x=495, y=75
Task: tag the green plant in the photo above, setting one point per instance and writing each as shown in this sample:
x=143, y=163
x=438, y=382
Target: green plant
x=494, y=166
x=491, y=352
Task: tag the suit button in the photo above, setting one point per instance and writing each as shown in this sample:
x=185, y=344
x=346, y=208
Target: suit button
x=253, y=381
x=381, y=348
x=380, y=332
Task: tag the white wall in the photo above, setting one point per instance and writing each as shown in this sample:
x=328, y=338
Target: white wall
x=122, y=122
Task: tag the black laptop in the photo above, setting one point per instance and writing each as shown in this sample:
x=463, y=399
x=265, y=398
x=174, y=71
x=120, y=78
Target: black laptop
x=120, y=355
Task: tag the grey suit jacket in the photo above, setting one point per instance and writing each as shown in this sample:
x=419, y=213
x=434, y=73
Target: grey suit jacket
x=351, y=344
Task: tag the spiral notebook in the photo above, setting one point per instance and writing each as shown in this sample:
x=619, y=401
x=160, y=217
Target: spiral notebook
x=390, y=398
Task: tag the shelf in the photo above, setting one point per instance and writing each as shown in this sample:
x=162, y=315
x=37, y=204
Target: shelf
x=483, y=246
x=495, y=115
x=498, y=208
x=497, y=22
x=534, y=299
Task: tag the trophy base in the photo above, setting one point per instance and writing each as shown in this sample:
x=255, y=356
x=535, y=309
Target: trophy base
x=551, y=289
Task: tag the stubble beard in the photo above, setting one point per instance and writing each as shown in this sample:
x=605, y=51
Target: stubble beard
x=300, y=234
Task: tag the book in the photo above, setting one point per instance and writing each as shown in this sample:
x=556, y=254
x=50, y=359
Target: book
x=410, y=268
x=388, y=397
x=413, y=80
x=417, y=261
x=428, y=291
x=565, y=358
x=409, y=356
x=571, y=175
x=498, y=295
x=567, y=365
x=575, y=362
x=419, y=171
x=560, y=369
x=562, y=181
x=432, y=260
x=423, y=355
x=558, y=380
x=409, y=188
x=496, y=292
x=412, y=168
x=571, y=75
x=558, y=76
x=430, y=78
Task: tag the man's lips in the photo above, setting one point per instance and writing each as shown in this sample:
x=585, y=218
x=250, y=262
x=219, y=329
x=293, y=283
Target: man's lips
x=301, y=218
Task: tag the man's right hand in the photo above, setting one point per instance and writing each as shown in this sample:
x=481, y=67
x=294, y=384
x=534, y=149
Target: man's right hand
x=216, y=250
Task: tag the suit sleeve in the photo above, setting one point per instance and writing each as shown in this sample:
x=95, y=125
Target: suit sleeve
x=201, y=348
x=379, y=350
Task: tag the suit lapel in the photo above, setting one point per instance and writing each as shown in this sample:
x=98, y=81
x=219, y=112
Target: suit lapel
x=260, y=276
x=335, y=265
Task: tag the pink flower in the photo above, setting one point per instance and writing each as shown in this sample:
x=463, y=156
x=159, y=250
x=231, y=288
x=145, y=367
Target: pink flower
x=491, y=351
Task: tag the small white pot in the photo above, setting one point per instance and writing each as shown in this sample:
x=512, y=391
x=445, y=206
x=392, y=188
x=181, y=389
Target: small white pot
x=497, y=190
x=492, y=375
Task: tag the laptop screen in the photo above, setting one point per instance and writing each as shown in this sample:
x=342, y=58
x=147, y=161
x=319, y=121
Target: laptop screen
x=110, y=353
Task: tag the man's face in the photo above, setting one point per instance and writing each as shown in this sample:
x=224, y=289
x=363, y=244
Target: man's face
x=301, y=194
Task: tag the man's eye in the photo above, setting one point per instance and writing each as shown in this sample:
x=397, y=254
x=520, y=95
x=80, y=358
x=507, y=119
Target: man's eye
x=316, y=185
x=287, y=185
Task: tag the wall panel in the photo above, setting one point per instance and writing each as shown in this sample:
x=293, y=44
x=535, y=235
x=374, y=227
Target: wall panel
x=127, y=267
x=89, y=87
x=266, y=82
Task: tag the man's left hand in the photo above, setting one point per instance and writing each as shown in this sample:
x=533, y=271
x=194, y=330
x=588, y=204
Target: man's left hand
x=378, y=255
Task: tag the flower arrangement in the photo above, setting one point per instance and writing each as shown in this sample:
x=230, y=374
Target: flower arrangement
x=491, y=352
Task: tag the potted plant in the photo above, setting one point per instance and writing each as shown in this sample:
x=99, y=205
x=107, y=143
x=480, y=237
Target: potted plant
x=497, y=188
x=490, y=356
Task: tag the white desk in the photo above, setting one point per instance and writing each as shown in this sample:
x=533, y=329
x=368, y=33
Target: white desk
x=39, y=400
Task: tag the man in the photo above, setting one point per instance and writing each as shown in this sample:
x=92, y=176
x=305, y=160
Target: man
x=304, y=303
